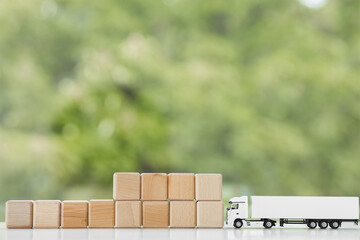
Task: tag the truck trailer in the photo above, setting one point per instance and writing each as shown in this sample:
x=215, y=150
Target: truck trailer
x=312, y=211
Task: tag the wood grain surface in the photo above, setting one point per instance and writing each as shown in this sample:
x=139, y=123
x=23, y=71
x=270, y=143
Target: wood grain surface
x=181, y=186
x=208, y=187
x=19, y=214
x=155, y=214
x=101, y=213
x=47, y=213
x=128, y=214
x=153, y=186
x=182, y=214
x=74, y=214
x=210, y=214
x=126, y=186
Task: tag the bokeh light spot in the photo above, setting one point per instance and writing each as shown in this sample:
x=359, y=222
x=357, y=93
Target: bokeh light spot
x=313, y=3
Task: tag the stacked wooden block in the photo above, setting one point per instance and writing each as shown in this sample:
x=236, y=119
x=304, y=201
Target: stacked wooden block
x=178, y=200
x=151, y=200
x=210, y=208
x=127, y=200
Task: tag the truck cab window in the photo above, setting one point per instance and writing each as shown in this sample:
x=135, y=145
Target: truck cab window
x=234, y=206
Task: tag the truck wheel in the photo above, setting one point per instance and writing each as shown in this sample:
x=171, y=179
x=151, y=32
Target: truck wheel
x=268, y=224
x=323, y=224
x=311, y=224
x=334, y=224
x=238, y=223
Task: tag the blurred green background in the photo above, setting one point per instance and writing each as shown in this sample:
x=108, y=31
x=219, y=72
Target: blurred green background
x=265, y=92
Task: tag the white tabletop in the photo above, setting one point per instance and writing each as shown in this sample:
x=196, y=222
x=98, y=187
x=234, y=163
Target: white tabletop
x=348, y=231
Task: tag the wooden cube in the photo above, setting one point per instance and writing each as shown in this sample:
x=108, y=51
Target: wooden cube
x=19, y=214
x=183, y=214
x=128, y=214
x=74, y=214
x=181, y=186
x=208, y=187
x=210, y=214
x=155, y=214
x=47, y=213
x=101, y=213
x=126, y=186
x=153, y=186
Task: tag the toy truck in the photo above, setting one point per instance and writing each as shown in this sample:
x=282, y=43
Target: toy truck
x=312, y=211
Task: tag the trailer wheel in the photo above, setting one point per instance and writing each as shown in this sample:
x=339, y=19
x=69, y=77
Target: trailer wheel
x=311, y=224
x=238, y=223
x=334, y=224
x=268, y=224
x=323, y=224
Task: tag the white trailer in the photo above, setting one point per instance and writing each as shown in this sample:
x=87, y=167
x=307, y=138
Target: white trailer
x=313, y=211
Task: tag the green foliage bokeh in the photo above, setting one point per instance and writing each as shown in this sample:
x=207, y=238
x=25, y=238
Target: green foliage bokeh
x=265, y=92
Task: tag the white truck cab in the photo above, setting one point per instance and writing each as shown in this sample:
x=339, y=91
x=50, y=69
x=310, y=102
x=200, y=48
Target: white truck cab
x=237, y=211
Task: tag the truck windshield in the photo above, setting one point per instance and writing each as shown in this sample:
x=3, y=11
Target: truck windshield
x=234, y=206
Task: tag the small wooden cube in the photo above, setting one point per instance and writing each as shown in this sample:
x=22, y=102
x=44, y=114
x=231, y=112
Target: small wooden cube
x=47, y=213
x=210, y=214
x=126, y=186
x=155, y=214
x=19, y=214
x=101, y=213
x=128, y=214
x=183, y=214
x=74, y=214
x=153, y=186
x=181, y=186
x=208, y=187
